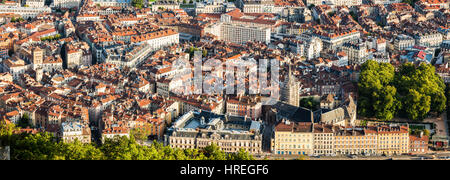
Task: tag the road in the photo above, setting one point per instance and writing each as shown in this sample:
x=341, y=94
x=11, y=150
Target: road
x=267, y=136
x=430, y=156
x=441, y=128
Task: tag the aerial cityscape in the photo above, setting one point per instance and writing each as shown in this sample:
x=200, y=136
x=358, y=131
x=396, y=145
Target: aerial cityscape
x=224, y=79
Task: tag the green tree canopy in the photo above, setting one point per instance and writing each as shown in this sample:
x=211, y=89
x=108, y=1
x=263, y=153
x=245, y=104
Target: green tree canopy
x=412, y=92
x=309, y=103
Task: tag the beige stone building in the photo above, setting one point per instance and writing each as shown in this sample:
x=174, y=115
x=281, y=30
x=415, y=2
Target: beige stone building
x=71, y=131
x=291, y=138
x=393, y=140
x=323, y=139
x=198, y=129
x=355, y=141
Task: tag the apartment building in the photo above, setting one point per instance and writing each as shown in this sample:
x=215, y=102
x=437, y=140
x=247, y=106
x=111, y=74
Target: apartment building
x=112, y=132
x=334, y=2
x=355, y=140
x=403, y=41
x=418, y=144
x=244, y=106
x=66, y=3
x=25, y=12
x=293, y=138
x=78, y=54
x=240, y=34
x=35, y=3
x=334, y=40
x=115, y=3
x=323, y=139
x=71, y=131
x=428, y=39
x=386, y=1
x=165, y=5
x=347, y=2
x=255, y=6
x=357, y=53
x=393, y=140
x=214, y=7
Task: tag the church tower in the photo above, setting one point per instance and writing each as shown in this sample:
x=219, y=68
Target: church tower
x=290, y=90
x=38, y=56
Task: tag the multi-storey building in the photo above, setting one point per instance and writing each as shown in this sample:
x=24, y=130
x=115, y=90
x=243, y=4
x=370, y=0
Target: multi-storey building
x=66, y=3
x=214, y=7
x=78, y=54
x=116, y=3
x=112, y=132
x=386, y=1
x=70, y=131
x=428, y=39
x=347, y=2
x=357, y=53
x=309, y=47
x=291, y=138
x=240, y=34
x=418, y=144
x=25, y=12
x=335, y=40
x=334, y=2
x=393, y=140
x=244, y=106
x=35, y=3
x=354, y=140
x=403, y=41
x=424, y=6
x=165, y=5
x=255, y=6
x=323, y=139
x=198, y=129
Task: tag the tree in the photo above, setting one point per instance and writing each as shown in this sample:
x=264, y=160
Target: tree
x=429, y=89
x=426, y=132
x=79, y=151
x=140, y=133
x=309, y=103
x=411, y=92
x=6, y=132
x=377, y=96
x=416, y=105
x=240, y=155
x=123, y=148
x=40, y=146
x=43, y=146
x=137, y=3
x=24, y=122
x=213, y=152
x=410, y=2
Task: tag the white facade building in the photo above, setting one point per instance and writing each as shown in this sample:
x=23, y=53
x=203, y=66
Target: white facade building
x=25, y=12
x=35, y=3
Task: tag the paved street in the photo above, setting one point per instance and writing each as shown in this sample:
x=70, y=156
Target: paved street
x=430, y=156
x=267, y=135
x=441, y=124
